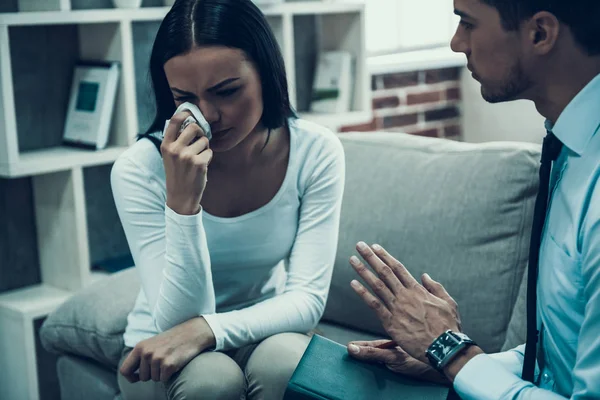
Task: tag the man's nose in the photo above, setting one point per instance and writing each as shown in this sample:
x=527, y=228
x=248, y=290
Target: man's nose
x=458, y=44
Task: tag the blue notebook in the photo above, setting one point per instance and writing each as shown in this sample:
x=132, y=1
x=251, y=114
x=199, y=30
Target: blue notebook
x=326, y=371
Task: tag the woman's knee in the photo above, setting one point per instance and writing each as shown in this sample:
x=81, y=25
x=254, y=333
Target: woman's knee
x=210, y=375
x=272, y=364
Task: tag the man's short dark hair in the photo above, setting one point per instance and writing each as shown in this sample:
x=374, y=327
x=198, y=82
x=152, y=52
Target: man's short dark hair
x=582, y=17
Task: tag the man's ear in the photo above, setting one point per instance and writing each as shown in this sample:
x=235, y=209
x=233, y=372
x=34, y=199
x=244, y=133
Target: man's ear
x=543, y=30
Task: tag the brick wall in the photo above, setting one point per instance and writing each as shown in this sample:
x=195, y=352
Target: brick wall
x=419, y=102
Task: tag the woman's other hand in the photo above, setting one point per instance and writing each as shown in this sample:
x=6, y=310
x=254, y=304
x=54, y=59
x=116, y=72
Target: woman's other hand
x=161, y=356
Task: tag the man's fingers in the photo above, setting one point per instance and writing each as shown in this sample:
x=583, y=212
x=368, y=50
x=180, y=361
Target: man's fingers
x=372, y=301
x=399, y=270
x=130, y=365
x=373, y=354
x=370, y=343
x=369, y=256
x=379, y=287
x=436, y=288
x=383, y=269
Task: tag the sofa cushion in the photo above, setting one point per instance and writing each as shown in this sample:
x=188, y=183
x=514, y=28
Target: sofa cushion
x=461, y=212
x=91, y=323
x=84, y=379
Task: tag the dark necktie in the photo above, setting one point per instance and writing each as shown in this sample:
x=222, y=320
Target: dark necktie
x=550, y=151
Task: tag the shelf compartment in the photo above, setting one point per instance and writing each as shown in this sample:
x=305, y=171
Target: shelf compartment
x=34, y=100
x=346, y=32
x=62, y=229
x=332, y=32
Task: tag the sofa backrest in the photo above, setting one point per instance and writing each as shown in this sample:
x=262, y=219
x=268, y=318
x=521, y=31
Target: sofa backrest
x=461, y=212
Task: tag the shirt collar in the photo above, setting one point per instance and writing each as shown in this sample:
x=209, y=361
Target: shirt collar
x=580, y=119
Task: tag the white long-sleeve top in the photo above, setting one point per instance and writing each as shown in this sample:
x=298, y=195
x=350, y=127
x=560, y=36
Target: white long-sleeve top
x=251, y=276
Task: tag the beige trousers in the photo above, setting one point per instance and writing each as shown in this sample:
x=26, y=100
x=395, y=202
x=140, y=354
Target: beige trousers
x=255, y=372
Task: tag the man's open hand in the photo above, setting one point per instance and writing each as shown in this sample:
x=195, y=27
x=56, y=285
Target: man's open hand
x=414, y=315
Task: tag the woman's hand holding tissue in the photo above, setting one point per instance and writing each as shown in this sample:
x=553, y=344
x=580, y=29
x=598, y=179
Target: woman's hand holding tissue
x=186, y=159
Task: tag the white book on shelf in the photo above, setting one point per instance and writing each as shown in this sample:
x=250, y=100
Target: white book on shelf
x=333, y=86
x=91, y=105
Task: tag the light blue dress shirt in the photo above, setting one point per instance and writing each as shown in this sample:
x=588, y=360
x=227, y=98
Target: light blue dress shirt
x=569, y=277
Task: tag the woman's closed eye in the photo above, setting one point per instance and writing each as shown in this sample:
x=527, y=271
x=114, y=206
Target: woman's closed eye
x=221, y=93
x=227, y=92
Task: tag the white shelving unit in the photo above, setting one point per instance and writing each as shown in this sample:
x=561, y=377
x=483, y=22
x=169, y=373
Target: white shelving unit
x=58, y=172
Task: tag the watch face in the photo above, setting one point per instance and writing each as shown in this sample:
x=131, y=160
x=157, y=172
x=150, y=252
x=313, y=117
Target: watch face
x=441, y=347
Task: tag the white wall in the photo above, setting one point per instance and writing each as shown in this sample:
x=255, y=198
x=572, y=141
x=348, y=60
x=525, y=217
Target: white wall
x=484, y=122
x=394, y=25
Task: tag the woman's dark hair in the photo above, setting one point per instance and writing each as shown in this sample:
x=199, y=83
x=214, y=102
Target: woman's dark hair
x=236, y=24
x=581, y=16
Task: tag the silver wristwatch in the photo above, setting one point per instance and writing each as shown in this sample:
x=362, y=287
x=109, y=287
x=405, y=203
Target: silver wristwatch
x=447, y=346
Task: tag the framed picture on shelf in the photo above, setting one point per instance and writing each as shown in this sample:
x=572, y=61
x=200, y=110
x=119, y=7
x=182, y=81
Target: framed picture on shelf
x=91, y=105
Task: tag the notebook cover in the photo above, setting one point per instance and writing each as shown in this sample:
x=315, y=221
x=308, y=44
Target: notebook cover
x=327, y=372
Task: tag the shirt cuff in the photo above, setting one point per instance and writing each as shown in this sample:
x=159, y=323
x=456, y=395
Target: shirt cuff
x=184, y=220
x=512, y=360
x=484, y=378
x=213, y=321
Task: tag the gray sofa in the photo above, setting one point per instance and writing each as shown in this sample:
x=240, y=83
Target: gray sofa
x=461, y=212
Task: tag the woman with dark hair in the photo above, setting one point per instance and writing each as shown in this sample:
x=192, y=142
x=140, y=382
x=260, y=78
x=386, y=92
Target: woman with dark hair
x=235, y=238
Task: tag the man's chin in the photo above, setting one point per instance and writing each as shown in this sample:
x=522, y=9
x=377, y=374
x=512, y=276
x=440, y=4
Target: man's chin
x=490, y=98
x=498, y=97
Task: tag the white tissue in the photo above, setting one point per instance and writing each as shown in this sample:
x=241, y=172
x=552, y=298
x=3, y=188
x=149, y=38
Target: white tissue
x=196, y=117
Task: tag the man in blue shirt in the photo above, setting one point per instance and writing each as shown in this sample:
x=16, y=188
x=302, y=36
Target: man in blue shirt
x=547, y=51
